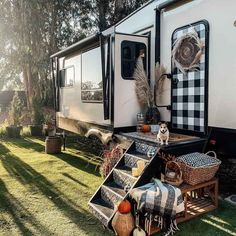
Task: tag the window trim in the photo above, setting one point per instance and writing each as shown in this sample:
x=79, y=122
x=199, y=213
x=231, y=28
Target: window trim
x=81, y=79
x=65, y=68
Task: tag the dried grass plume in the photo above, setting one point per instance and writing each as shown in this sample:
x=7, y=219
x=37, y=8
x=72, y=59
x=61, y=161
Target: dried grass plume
x=143, y=90
x=160, y=70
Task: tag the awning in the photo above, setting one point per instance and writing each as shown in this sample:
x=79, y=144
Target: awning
x=77, y=46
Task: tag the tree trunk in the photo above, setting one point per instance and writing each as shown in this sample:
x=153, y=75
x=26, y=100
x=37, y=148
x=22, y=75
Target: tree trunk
x=30, y=84
x=26, y=85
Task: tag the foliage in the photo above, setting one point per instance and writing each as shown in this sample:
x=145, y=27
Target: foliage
x=48, y=118
x=37, y=111
x=110, y=158
x=25, y=131
x=101, y=14
x=16, y=110
x=3, y=131
x=31, y=31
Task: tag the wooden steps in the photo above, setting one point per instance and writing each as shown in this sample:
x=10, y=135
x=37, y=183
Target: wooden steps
x=104, y=202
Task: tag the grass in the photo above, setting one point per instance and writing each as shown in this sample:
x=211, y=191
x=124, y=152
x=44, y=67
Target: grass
x=44, y=194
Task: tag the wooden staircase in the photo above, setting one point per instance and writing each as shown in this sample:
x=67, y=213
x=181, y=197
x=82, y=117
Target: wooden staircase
x=112, y=191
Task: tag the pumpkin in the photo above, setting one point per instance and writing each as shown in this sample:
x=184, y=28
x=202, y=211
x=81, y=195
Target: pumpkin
x=124, y=207
x=139, y=232
x=146, y=128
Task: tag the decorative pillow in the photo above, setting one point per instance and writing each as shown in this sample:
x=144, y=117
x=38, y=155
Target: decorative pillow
x=197, y=159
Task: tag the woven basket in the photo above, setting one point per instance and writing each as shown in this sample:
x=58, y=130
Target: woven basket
x=174, y=167
x=197, y=175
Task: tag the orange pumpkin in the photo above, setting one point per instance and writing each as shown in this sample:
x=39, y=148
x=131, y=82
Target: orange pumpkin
x=124, y=207
x=146, y=128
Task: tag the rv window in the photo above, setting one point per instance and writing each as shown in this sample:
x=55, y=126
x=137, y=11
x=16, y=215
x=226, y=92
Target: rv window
x=130, y=51
x=91, y=86
x=67, y=77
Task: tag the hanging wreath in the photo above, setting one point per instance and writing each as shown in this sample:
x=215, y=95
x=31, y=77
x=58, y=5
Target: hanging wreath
x=187, y=52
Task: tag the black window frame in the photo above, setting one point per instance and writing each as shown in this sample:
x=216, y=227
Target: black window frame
x=81, y=79
x=133, y=59
x=60, y=76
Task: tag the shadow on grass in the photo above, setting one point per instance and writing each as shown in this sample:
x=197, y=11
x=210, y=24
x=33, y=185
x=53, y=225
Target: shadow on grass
x=221, y=221
x=25, y=174
x=26, y=143
x=19, y=213
x=80, y=161
x=77, y=162
x=75, y=180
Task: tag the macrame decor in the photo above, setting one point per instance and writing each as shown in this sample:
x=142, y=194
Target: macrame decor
x=187, y=51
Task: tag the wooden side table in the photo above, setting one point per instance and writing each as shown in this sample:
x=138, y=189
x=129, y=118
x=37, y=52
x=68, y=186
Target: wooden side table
x=198, y=199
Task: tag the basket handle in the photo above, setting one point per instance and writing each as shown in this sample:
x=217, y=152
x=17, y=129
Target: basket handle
x=214, y=153
x=177, y=164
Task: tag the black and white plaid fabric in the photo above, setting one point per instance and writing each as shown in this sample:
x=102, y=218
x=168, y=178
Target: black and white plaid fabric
x=188, y=95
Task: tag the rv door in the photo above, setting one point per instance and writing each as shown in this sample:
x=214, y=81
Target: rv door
x=127, y=49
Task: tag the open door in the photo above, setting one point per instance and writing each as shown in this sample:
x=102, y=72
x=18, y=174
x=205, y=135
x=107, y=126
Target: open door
x=190, y=85
x=127, y=50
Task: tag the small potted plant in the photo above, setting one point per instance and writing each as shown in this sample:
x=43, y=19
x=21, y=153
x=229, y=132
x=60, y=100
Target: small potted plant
x=49, y=125
x=36, y=129
x=15, y=112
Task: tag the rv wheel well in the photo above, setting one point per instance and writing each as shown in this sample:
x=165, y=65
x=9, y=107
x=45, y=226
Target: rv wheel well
x=104, y=137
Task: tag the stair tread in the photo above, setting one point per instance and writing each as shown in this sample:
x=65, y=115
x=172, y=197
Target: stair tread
x=138, y=155
x=103, y=207
x=127, y=170
x=116, y=188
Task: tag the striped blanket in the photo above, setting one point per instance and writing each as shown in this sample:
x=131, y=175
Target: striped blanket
x=159, y=202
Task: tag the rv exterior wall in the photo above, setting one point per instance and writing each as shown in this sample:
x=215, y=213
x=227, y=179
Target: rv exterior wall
x=71, y=104
x=222, y=59
x=222, y=64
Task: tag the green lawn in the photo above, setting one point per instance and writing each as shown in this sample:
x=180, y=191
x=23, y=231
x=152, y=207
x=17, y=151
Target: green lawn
x=44, y=194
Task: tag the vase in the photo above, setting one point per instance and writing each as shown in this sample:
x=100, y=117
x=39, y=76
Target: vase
x=152, y=115
x=53, y=145
x=123, y=224
x=13, y=131
x=36, y=130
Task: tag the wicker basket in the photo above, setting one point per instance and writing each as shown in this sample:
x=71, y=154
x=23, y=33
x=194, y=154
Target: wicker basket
x=196, y=175
x=174, y=167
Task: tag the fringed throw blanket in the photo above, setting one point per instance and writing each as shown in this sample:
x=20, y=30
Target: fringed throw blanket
x=158, y=202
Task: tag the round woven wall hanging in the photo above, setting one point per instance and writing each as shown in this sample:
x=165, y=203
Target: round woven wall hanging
x=187, y=52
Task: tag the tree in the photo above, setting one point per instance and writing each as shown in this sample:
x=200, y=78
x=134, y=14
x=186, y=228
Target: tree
x=101, y=14
x=30, y=31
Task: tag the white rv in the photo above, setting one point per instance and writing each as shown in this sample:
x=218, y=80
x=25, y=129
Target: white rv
x=94, y=88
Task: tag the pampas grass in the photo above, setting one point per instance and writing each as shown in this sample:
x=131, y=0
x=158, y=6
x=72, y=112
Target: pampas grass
x=160, y=70
x=143, y=89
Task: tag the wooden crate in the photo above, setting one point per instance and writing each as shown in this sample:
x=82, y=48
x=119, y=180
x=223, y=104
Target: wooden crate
x=198, y=199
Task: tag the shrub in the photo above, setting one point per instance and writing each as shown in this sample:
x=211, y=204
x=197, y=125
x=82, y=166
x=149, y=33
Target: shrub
x=26, y=131
x=109, y=161
x=15, y=111
x=3, y=131
x=37, y=113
